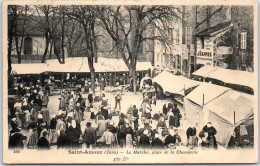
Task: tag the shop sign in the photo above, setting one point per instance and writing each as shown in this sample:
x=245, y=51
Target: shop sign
x=204, y=54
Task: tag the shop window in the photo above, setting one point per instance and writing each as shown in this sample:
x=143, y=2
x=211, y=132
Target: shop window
x=28, y=46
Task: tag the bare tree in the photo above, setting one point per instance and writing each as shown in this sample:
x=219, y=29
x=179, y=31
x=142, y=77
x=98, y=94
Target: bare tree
x=17, y=16
x=11, y=21
x=127, y=25
x=48, y=22
x=86, y=16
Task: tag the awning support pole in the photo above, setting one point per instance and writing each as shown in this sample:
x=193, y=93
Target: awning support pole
x=234, y=117
x=203, y=99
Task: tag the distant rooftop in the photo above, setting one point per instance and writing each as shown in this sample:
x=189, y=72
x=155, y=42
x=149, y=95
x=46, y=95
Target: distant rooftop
x=212, y=30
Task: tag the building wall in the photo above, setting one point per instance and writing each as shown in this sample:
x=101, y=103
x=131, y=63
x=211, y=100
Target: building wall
x=38, y=48
x=222, y=15
x=188, y=31
x=241, y=18
x=170, y=57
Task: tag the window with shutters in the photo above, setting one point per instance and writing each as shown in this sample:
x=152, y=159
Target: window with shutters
x=243, y=42
x=188, y=35
x=27, y=46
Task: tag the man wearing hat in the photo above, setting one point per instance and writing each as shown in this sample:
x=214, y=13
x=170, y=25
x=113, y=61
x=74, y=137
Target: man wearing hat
x=118, y=99
x=89, y=136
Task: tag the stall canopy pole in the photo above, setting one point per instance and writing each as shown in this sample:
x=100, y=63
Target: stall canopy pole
x=203, y=99
x=184, y=91
x=234, y=117
x=184, y=103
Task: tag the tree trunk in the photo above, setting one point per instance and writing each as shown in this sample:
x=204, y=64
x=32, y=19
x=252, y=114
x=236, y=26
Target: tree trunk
x=46, y=47
x=17, y=49
x=10, y=43
x=92, y=72
x=51, y=50
x=134, y=79
x=132, y=74
x=62, y=38
x=16, y=38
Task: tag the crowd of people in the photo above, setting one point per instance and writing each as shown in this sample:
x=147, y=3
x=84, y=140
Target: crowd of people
x=106, y=127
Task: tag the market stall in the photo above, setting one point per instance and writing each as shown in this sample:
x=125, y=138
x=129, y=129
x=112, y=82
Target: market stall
x=174, y=84
x=228, y=111
x=200, y=96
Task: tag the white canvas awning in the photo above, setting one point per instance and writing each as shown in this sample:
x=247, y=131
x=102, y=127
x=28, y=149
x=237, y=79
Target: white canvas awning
x=77, y=65
x=80, y=65
x=228, y=111
x=204, y=71
x=230, y=102
x=210, y=92
x=174, y=84
x=35, y=68
x=236, y=77
x=143, y=66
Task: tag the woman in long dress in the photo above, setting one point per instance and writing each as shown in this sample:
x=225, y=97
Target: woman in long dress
x=129, y=136
x=101, y=126
x=53, y=136
x=34, y=114
x=32, y=140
